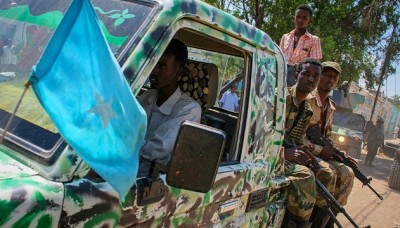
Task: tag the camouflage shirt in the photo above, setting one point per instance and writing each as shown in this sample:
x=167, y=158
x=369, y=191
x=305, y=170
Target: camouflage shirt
x=316, y=104
x=297, y=132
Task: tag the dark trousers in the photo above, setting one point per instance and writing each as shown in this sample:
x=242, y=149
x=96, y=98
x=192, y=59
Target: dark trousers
x=372, y=151
x=290, y=80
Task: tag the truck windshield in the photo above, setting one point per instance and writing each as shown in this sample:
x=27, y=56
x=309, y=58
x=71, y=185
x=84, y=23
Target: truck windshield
x=26, y=28
x=349, y=120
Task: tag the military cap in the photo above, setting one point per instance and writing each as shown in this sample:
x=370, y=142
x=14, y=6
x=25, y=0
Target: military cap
x=333, y=65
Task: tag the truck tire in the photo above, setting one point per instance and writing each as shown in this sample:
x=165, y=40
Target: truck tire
x=394, y=176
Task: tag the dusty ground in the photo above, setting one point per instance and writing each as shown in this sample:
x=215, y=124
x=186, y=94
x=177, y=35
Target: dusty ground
x=365, y=207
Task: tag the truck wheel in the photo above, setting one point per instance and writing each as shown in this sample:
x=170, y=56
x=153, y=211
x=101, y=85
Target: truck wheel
x=394, y=176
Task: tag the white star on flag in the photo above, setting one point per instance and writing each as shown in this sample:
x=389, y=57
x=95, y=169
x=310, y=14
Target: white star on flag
x=104, y=110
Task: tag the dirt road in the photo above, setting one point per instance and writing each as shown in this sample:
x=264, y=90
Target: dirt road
x=365, y=207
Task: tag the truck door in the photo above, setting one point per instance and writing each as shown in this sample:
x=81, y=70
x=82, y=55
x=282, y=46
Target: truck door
x=240, y=191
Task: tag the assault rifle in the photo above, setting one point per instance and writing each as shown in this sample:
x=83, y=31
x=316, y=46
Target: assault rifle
x=321, y=189
x=315, y=135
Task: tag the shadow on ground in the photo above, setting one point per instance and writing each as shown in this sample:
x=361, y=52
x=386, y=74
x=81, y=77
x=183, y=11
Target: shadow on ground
x=382, y=167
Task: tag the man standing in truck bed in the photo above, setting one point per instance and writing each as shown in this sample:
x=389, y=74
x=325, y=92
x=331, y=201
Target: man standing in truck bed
x=299, y=43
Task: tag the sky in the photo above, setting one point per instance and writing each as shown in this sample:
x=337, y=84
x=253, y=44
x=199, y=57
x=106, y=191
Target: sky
x=392, y=84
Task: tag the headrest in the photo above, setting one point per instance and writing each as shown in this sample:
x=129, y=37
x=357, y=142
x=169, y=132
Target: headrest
x=200, y=81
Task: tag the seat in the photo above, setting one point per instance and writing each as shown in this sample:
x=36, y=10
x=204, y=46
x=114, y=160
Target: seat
x=199, y=80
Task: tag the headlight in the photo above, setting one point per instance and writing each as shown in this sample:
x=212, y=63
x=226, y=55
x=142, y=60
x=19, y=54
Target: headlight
x=341, y=139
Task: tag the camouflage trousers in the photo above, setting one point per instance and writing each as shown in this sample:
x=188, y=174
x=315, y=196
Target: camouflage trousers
x=302, y=194
x=327, y=175
x=301, y=191
x=344, y=181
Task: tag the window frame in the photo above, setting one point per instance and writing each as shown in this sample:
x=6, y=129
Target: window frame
x=248, y=52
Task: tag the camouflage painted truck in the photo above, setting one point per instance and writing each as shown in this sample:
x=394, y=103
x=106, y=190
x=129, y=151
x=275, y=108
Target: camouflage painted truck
x=45, y=183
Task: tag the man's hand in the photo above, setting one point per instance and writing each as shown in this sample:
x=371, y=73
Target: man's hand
x=327, y=153
x=297, y=156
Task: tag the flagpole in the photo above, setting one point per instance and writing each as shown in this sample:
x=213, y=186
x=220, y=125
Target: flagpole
x=27, y=84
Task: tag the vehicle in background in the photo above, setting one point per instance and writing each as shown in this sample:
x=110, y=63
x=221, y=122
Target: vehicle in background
x=394, y=175
x=347, y=131
x=391, y=147
x=45, y=183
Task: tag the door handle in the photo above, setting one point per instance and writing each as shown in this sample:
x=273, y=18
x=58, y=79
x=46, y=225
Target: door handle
x=228, y=206
x=279, y=182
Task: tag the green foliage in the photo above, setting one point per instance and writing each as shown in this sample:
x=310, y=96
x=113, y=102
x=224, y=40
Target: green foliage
x=363, y=36
x=395, y=101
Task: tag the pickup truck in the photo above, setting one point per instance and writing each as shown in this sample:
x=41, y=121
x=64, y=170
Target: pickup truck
x=45, y=183
x=347, y=131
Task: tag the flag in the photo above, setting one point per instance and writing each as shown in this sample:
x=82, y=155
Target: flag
x=80, y=85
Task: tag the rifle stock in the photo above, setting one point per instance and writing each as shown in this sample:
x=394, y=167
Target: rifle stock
x=315, y=135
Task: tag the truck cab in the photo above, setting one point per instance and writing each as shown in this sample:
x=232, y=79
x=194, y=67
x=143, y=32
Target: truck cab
x=45, y=183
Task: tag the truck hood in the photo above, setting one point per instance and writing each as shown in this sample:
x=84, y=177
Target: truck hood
x=346, y=131
x=10, y=168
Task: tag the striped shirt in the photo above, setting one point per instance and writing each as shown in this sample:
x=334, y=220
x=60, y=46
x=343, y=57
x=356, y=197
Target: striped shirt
x=308, y=46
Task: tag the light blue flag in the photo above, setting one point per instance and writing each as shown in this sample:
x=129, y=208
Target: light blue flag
x=80, y=84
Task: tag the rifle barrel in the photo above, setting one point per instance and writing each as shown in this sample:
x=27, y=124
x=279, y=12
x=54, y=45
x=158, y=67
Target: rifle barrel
x=324, y=193
x=376, y=193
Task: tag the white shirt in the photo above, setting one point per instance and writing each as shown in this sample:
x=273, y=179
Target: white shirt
x=7, y=57
x=163, y=124
x=230, y=101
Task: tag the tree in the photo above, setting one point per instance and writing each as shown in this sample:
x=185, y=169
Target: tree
x=353, y=33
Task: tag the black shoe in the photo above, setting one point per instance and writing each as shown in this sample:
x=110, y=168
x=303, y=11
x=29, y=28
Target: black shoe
x=371, y=164
x=319, y=217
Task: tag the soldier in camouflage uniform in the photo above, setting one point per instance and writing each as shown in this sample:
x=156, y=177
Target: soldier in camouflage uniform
x=302, y=191
x=323, y=111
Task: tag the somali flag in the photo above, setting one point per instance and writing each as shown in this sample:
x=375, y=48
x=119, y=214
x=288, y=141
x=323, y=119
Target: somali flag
x=79, y=83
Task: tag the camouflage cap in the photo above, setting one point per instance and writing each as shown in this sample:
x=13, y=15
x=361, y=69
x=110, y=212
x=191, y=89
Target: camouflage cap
x=333, y=65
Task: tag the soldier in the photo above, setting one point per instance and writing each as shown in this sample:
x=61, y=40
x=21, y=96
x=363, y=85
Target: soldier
x=302, y=190
x=323, y=111
x=375, y=140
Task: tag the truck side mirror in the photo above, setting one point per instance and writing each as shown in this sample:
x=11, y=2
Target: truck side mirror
x=197, y=154
x=193, y=166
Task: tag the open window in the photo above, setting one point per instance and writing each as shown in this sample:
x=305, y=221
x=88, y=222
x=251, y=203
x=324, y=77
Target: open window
x=226, y=84
x=213, y=76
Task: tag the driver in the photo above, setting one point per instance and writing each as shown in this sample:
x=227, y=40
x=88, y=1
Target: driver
x=166, y=107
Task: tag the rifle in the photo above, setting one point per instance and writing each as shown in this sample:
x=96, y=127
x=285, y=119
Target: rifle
x=315, y=135
x=321, y=189
x=331, y=201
